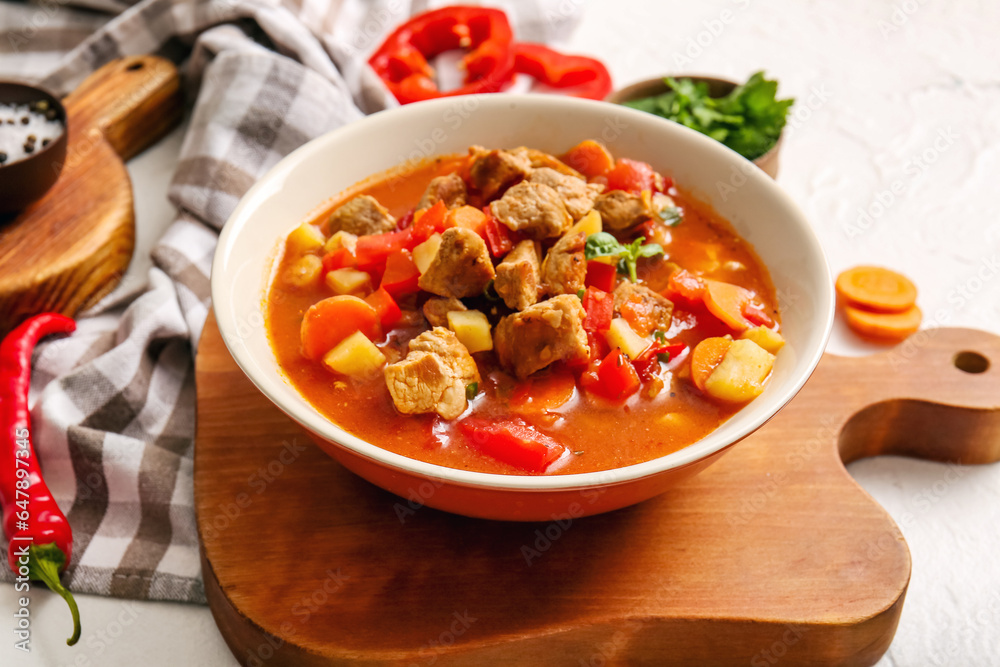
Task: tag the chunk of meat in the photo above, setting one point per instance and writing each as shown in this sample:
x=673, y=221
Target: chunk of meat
x=461, y=267
x=436, y=309
x=577, y=194
x=449, y=189
x=540, y=159
x=433, y=375
x=518, y=276
x=622, y=210
x=643, y=308
x=491, y=172
x=542, y=334
x=565, y=267
x=361, y=216
x=533, y=209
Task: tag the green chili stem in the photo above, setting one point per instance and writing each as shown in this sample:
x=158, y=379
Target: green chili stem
x=47, y=570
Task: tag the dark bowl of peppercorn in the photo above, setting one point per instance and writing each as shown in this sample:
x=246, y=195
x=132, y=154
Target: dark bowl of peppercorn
x=32, y=144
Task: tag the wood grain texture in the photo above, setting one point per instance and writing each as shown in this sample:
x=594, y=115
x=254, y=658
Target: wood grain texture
x=774, y=553
x=70, y=248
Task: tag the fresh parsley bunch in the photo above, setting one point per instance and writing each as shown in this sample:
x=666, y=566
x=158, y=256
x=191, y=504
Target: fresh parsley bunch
x=749, y=119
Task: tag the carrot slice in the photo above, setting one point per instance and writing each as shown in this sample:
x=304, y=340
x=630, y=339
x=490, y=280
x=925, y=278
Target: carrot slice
x=883, y=326
x=726, y=301
x=469, y=217
x=705, y=356
x=330, y=321
x=878, y=289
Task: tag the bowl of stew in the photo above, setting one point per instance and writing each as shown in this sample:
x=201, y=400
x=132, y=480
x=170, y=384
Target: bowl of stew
x=518, y=307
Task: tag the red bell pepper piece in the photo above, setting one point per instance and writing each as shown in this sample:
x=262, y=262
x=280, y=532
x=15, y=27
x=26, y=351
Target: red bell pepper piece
x=756, y=315
x=374, y=249
x=512, y=441
x=401, y=274
x=406, y=220
x=385, y=306
x=498, y=236
x=648, y=362
x=587, y=77
x=40, y=540
x=600, y=307
x=601, y=275
x=616, y=377
x=429, y=223
x=340, y=258
x=633, y=176
x=401, y=61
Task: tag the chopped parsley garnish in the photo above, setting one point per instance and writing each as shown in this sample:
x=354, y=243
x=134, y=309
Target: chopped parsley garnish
x=671, y=216
x=603, y=244
x=748, y=120
x=471, y=390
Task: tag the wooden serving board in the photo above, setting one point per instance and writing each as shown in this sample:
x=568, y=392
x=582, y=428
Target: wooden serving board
x=71, y=247
x=773, y=553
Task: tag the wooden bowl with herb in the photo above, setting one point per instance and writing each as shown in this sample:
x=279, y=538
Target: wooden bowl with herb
x=747, y=118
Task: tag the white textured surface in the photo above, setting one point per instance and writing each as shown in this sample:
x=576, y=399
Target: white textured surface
x=878, y=93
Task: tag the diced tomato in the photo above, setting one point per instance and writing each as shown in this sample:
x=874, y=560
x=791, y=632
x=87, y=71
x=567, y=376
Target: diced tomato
x=616, y=377
x=385, y=307
x=512, y=441
x=687, y=286
x=331, y=320
x=499, y=238
x=755, y=314
x=428, y=223
x=601, y=275
x=401, y=274
x=633, y=176
x=374, y=249
x=600, y=307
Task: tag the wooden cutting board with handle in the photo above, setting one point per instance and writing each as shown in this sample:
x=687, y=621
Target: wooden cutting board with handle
x=772, y=555
x=71, y=247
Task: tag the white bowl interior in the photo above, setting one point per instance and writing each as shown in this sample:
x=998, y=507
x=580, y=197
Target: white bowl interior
x=757, y=208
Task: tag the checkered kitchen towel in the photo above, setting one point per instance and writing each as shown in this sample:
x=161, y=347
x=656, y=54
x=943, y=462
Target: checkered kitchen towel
x=113, y=413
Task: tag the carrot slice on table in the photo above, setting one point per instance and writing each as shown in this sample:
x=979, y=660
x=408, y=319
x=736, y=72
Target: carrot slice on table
x=883, y=326
x=876, y=288
x=705, y=356
x=331, y=320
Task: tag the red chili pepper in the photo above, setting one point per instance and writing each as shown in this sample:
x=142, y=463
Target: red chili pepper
x=587, y=77
x=41, y=540
x=401, y=61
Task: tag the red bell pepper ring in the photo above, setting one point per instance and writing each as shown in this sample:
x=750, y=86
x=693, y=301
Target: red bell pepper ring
x=600, y=307
x=586, y=77
x=616, y=377
x=401, y=61
x=40, y=538
x=512, y=441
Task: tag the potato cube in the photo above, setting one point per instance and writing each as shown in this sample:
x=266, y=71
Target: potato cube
x=305, y=238
x=304, y=272
x=742, y=373
x=620, y=334
x=348, y=281
x=424, y=253
x=341, y=239
x=355, y=356
x=769, y=339
x=472, y=329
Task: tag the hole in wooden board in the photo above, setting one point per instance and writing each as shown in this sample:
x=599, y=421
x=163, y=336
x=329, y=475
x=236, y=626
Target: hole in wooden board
x=134, y=66
x=971, y=362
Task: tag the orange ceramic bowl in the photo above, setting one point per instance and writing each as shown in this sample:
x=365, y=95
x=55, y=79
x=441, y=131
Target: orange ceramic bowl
x=756, y=207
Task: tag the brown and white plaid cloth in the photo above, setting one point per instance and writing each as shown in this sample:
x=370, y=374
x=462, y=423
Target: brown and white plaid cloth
x=113, y=405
